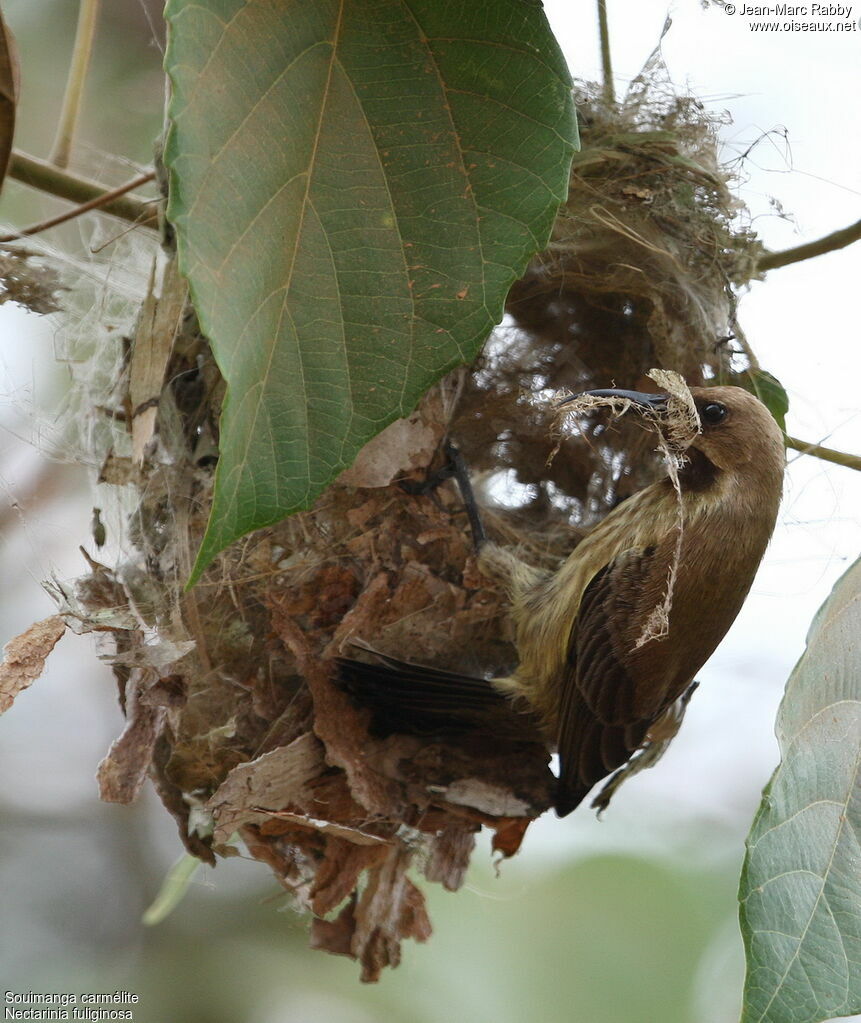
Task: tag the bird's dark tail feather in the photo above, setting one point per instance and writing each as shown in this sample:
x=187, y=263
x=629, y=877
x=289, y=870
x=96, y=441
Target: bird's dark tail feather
x=569, y=795
x=417, y=700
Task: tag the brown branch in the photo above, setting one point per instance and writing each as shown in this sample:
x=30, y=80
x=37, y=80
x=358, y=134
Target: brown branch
x=47, y=178
x=606, y=63
x=831, y=242
x=826, y=454
x=93, y=204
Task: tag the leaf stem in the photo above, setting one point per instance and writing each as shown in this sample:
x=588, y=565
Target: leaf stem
x=826, y=454
x=48, y=178
x=88, y=13
x=93, y=204
x=836, y=240
x=606, y=63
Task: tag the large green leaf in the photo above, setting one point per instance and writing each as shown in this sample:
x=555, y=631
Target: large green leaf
x=801, y=883
x=354, y=187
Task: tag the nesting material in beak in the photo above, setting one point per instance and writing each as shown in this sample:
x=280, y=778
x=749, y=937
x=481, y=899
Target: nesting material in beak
x=673, y=412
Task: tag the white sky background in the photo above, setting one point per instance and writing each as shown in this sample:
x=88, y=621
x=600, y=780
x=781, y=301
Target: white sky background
x=802, y=322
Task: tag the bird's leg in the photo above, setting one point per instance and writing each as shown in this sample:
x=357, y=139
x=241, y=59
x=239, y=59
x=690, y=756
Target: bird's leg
x=454, y=468
x=464, y=484
x=499, y=563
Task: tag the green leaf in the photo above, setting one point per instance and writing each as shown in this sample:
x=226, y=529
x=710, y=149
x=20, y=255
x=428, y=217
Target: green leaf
x=800, y=888
x=354, y=186
x=768, y=389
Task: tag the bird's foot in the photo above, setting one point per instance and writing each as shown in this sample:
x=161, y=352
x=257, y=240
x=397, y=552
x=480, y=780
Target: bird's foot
x=454, y=468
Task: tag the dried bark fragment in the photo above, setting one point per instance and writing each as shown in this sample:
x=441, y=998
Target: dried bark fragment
x=275, y=780
x=289, y=862
x=404, y=445
x=336, y=936
x=172, y=798
x=390, y=909
x=338, y=876
x=24, y=657
x=509, y=835
x=123, y=771
x=341, y=727
x=158, y=324
x=450, y=851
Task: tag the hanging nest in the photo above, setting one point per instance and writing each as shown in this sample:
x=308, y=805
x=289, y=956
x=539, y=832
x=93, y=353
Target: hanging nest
x=226, y=689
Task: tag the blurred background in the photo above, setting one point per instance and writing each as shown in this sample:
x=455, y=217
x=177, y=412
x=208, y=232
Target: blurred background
x=631, y=919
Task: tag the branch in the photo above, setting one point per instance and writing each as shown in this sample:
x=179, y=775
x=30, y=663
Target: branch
x=831, y=242
x=87, y=15
x=99, y=201
x=48, y=178
x=606, y=64
x=826, y=454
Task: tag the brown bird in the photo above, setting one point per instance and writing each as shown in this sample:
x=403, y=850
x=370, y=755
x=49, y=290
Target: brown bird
x=604, y=677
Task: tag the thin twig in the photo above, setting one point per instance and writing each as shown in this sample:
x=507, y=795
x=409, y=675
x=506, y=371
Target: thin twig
x=836, y=240
x=88, y=13
x=93, y=204
x=606, y=63
x=826, y=454
x=48, y=178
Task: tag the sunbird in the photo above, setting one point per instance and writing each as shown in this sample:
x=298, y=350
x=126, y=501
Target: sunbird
x=605, y=686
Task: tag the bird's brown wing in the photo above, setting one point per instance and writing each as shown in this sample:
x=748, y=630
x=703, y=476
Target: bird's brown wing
x=608, y=699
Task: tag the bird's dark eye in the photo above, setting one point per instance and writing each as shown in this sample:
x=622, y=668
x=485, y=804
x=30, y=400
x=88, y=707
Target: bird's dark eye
x=713, y=413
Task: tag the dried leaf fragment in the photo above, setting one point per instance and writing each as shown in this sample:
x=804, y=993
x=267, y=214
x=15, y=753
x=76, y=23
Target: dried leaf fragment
x=509, y=834
x=24, y=657
x=390, y=909
x=400, y=448
x=271, y=782
x=338, y=874
x=335, y=936
x=159, y=322
x=123, y=771
x=450, y=850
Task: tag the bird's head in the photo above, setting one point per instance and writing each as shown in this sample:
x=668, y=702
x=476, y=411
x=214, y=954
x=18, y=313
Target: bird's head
x=737, y=429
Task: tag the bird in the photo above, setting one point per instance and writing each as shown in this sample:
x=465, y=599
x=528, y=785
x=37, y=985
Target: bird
x=603, y=685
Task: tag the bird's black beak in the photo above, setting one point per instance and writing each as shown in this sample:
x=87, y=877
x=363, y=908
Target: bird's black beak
x=653, y=402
